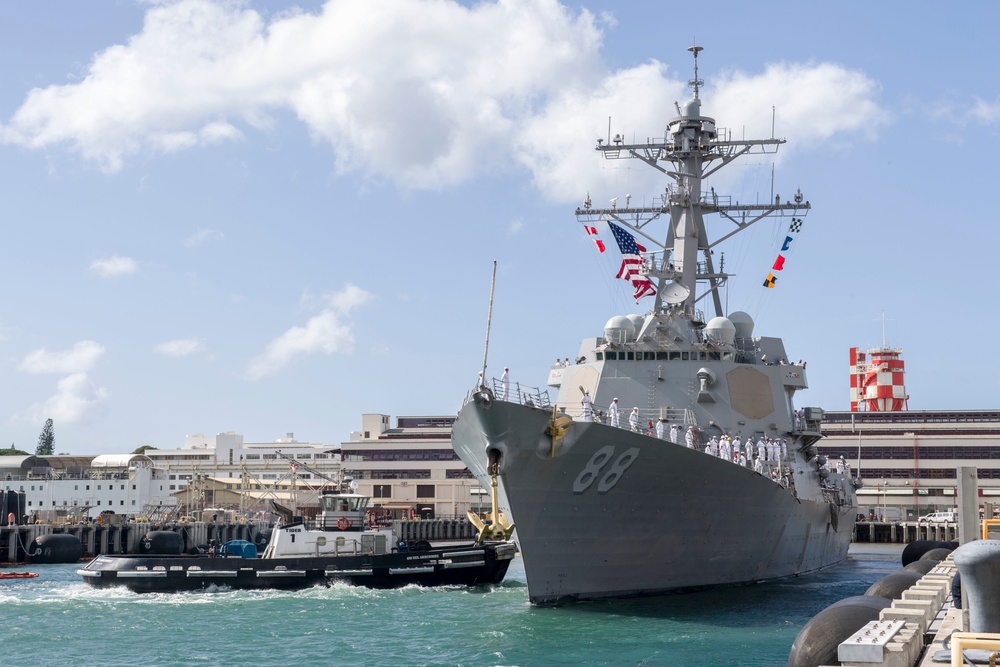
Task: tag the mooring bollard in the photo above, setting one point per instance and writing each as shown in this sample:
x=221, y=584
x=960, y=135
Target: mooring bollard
x=978, y=564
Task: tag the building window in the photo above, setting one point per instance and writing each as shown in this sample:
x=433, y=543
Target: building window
x=382, y=491
x=425, y=490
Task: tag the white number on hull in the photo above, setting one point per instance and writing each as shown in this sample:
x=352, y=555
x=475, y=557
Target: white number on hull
x=597, y=462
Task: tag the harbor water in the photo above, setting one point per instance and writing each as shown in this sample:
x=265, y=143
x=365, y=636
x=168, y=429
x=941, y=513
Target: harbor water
x=55, y=619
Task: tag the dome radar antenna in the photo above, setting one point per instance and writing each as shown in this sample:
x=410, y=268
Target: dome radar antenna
x=696, y=82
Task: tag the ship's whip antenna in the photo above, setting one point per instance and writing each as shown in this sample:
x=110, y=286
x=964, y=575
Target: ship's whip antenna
x=489, y=321
x=696, y=82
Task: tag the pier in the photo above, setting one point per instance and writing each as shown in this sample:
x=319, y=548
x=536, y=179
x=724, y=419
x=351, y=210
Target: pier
x=904, y=532
x=126, y=537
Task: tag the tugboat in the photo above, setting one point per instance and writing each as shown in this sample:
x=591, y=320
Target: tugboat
x=674, y=457
x=338, y=548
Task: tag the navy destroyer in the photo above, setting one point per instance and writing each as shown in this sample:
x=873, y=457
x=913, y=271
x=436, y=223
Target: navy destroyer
x=674, y=457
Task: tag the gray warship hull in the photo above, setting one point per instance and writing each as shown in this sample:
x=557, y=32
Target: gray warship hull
x=737, y=493
x=620, y=514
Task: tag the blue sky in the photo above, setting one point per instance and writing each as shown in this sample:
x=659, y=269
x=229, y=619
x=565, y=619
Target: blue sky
x=271, y=217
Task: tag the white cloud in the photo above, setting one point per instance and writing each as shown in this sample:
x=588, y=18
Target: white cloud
x=203, y=236
x=75, y=399
x=985, y=112
x=79, y=359
x=328, y=332
x=181, y=347
x=114, y=266
x=410, y=90
x=813, y=102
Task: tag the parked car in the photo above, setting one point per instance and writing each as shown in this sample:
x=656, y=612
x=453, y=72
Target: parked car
x=949, y=516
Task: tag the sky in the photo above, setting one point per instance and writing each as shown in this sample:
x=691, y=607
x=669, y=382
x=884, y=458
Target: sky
x=269, y=218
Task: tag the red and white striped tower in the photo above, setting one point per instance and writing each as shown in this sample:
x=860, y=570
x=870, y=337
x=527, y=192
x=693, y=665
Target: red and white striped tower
x=877, y=380
x=857, y=378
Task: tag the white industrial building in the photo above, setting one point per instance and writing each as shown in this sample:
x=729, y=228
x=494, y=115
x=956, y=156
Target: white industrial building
x=908, y=459
x=79, y=487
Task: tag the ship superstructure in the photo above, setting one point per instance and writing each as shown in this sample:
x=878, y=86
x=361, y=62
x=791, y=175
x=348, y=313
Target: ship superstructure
x=673, y=457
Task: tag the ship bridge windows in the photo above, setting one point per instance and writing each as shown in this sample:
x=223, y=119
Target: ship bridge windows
x=613, y=355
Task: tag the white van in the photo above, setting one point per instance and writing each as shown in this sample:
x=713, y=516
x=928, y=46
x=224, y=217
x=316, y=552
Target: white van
x=947, y=516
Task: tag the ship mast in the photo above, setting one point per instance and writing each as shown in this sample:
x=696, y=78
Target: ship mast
x=691, y=150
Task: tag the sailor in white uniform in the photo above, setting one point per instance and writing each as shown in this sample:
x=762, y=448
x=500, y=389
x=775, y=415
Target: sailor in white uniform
x=660, y=427
x=613, y=412
x=689, y=438
x=633, y=420
x=504, y=383
x=588, y=408
x=673, y=434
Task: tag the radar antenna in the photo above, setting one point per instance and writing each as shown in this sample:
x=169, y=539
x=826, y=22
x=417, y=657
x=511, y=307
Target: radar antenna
x=696, y=82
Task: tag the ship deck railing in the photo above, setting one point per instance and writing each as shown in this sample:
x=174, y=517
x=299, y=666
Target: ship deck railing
x=683, y=417
x=515, y=392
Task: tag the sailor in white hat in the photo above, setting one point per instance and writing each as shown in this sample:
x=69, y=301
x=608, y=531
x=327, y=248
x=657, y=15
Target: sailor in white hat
x=613, y=412
x=588, y=407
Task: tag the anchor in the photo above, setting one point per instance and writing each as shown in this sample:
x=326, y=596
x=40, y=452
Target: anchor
x=557, y=428
x=500, y=528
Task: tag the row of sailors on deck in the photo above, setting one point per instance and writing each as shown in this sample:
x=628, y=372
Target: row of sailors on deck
x=767, y=449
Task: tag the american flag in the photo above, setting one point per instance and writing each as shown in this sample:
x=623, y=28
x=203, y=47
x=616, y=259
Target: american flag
x=631, y=262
